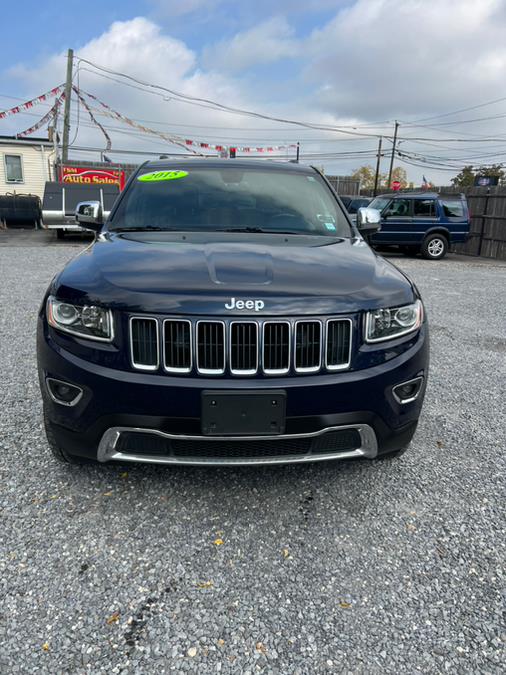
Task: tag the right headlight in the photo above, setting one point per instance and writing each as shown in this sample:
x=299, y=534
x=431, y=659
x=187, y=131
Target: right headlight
x=88, y=321
x=392, y=322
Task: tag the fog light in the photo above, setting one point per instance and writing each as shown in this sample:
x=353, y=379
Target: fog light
x=63, y=392
x=406, y=392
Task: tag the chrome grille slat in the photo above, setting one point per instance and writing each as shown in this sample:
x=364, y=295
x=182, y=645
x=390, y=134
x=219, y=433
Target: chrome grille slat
x=338, y=344
x=241, y=347
x=144, y=343
x=308, y=346
x=177, y=345
x=210, y=347
x=276, y=347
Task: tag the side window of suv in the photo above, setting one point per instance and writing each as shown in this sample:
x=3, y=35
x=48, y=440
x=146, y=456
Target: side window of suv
x=453, y=208
x=398, y=208
x=424, y=208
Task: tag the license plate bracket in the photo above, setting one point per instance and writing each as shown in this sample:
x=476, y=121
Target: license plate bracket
x=232, y=413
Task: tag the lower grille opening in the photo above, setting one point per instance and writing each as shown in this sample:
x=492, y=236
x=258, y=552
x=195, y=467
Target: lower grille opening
x=150, y=444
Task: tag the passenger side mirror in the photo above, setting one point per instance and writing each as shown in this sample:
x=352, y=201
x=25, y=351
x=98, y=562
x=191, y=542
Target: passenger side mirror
x=89, y=215
x=368, y=220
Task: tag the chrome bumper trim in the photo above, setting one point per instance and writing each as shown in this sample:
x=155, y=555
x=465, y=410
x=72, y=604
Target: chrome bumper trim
x=107, y=448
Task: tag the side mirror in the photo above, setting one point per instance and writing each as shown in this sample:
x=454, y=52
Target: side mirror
x=368, y=220
x=89, y=215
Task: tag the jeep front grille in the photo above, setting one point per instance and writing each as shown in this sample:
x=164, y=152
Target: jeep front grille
x=244, y=348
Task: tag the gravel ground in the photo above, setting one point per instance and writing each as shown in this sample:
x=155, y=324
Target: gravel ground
x=359, y=567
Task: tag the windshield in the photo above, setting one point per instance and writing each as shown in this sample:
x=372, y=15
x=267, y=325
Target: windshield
x=228, y=199
x=379, y=203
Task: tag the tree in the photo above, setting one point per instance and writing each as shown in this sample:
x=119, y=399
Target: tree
x=466, y=177
x=365, y=174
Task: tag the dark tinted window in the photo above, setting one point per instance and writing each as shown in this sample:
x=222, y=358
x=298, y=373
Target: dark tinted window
x=424, y=208
x=356, y=204
x=213, y=199
x=453, y=208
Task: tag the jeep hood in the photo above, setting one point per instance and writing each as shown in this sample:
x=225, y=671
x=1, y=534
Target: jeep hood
x=197, y=274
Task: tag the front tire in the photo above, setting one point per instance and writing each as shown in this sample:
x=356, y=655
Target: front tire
x=435, y=247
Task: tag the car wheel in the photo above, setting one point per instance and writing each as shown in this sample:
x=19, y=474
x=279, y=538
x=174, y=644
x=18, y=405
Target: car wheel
x=60, y=234
x=59, y=453
x=435, y=247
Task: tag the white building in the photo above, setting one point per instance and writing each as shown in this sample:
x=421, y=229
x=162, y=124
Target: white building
x=25, y=165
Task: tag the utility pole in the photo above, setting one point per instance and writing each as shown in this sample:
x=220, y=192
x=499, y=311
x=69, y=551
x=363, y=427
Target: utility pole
x=393, y=155
x=298, y=152
x=66, y=111
x=378, y=160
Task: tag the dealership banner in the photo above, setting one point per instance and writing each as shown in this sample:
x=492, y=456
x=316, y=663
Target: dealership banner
x=90, y=176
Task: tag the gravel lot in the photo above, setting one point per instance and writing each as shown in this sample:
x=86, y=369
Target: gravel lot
x=359, y=567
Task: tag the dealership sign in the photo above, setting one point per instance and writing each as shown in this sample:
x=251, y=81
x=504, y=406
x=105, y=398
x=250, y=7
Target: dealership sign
x=90, y=176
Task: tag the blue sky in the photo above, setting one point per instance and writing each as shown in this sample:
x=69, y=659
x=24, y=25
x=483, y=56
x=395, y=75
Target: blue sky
x=355, y=64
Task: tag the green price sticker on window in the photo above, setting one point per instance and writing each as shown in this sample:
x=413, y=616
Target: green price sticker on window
x=157, y=176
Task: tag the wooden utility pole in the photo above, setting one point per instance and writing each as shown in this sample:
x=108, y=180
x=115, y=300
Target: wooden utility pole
x=393, y=155
x=378, y=160
x=66, y=110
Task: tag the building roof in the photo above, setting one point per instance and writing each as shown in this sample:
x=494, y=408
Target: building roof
x=29, y=140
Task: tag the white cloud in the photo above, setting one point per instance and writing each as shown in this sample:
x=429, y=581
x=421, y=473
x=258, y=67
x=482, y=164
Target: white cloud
x=138, y=48
x=391, y=58
x=266, y=42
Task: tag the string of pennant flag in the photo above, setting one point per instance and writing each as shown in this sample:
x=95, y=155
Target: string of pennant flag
x=51, y=113
x=189, y=144
x=34, y=101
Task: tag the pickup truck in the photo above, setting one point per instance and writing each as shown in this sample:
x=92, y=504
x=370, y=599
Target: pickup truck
x=60, y=201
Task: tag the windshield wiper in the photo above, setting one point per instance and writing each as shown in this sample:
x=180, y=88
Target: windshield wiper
x=258, y=230
x=146, y=228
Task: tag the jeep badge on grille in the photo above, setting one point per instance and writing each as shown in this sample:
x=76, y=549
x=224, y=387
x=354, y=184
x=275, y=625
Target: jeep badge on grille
x=257, y=305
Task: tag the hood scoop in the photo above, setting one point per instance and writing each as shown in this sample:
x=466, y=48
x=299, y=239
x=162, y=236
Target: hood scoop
x=239, y=268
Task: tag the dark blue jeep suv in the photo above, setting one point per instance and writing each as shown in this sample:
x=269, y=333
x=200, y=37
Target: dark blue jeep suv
x=229, y=312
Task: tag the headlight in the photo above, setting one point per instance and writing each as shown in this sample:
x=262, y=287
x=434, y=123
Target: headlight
x=385, y=324
x=88, y=321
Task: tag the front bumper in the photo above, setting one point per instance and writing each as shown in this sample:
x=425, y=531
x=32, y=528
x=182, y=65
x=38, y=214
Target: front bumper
x=117, y=402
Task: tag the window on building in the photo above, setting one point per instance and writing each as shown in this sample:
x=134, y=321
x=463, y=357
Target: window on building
x=424, y=208
x=13, y=169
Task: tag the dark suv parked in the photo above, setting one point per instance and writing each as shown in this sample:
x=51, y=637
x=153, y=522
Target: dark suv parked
x=423, y=222
x=229, y=313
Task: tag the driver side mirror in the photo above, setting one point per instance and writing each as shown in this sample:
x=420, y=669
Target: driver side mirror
x=368, y=220
x=89, y=215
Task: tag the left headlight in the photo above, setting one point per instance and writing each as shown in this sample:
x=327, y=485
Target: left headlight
x=88, y=321
x=386, y=324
